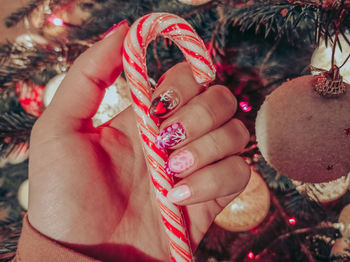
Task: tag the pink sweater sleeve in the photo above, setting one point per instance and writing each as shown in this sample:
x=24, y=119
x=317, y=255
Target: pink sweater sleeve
x=35, y=247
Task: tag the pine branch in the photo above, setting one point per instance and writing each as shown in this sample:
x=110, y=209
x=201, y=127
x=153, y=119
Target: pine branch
x=21, y=13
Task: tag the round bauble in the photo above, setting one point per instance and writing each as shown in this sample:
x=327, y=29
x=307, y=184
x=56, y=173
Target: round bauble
x=116, y=98
x=23, y=194
x=249, y=209
x=51, y=88
x=194, y=2
x=324, y=192
x=30, y=96
x=18, y=154
x=322, y=57
x=341, y=249
x=303, y=135
x=344, y=220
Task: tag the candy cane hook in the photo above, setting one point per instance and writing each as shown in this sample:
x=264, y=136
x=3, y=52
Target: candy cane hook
x=141, y=33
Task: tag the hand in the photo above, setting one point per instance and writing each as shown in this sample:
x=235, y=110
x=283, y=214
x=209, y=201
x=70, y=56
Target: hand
x=89, y=187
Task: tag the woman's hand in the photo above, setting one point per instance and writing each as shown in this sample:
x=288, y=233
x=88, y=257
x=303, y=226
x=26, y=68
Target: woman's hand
x=89, y=187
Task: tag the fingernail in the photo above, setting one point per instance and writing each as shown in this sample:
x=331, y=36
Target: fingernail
x=179, y=193
x=164, y=103
x=170, y=136
x=114, y=28
x=179, y=163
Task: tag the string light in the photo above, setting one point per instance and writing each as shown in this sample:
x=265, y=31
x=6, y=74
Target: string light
x=56, y=21
x=245, y=106
x=251, y=255
x=292, y=221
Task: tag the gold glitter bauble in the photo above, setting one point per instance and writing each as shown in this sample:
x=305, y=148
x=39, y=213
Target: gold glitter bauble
x=324, y=192
x=194, y=2
x=344, y=220
x=322, y=57
x=249, y=209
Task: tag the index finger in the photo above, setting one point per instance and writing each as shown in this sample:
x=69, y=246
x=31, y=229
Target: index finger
x=83, y=88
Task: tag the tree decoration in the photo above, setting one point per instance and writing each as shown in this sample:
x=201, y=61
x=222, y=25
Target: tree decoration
x=344, y=220
x=116, y=98
x=23, y=194
x=301, y=134
x=30, y=97
x=247, y=210
x=324, y=192
x=322, y=57
x=17, y=154
x=194, y=2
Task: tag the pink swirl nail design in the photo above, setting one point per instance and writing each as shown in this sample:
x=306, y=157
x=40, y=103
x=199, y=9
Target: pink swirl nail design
x=170, y=136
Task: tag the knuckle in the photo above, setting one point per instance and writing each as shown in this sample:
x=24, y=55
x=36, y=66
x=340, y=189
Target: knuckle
x=244, y=135
x=215, y=147
x=225, y=97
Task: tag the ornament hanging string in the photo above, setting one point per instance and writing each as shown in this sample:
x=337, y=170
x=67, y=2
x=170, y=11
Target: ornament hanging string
x=141, y=33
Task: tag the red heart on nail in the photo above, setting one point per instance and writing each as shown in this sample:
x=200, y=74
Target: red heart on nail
x=160, y=109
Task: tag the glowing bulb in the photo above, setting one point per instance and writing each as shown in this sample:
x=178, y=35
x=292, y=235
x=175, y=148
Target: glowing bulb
x=251, y=255
x=292, y=221
x=245, y=106
x=56, y=21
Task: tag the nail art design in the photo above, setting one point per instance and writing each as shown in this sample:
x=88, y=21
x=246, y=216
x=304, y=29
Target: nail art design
x=164, y=103
x=179, y=193
x=179, y=162
x=170, y=136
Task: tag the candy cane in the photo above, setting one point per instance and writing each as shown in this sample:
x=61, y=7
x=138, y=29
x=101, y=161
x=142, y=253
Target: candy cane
x=141, y=33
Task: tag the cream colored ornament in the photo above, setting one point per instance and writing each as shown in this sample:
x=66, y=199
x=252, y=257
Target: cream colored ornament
x=116, y=98
x=194, y=2
x=344, y=220
x=51, y=88
x=249, y=209
x=30, y=40
x=18, y=154
x=23, y=194
x=322, y=57
x=341, y=248
x=324, y=192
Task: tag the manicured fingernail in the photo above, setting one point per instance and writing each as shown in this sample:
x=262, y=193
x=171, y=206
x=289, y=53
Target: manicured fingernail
x=114, y=28
x=179, y=163
x=179, y=193
x=164, y=103
x=170, y=136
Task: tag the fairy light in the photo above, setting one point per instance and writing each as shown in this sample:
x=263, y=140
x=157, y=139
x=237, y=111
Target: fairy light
x=292, y=221
x=251, y=255
x=56, y=21
x=245, y=106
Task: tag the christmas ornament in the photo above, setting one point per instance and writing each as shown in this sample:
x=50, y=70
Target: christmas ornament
x=23, y=194
x=143, y=31
x=30, y=96
x=341, y=249
x=344, y=220
x=322, y=57
x=194, y=2
x=116, y=98
x=303, y=134
x=249, y=209
x=17, y=155
x=30, y=40
x=51, y=88
x=324, y=192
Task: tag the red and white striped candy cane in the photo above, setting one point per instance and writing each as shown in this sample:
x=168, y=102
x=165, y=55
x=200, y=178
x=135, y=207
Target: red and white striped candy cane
x=141, y=33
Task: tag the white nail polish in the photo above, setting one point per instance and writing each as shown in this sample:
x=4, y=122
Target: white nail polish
x=179, y=193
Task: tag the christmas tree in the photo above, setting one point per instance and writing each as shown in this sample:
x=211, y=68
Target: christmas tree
x=295, y=207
